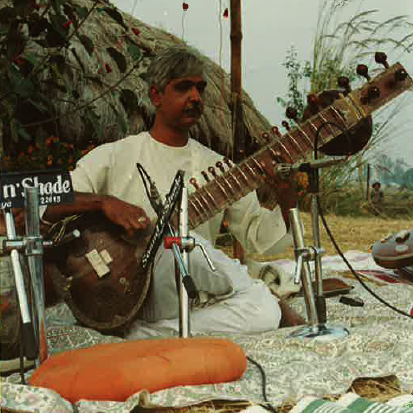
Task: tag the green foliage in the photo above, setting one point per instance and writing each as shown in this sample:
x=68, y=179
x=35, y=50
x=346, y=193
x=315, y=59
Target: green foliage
x=297, y=73
x=36, y=40
x=337, y=49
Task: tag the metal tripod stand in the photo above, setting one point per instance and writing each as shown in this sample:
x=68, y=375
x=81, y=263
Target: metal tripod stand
x=314, y=300
x=34, y=341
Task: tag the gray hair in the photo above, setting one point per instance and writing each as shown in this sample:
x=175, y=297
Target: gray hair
x=173, y=63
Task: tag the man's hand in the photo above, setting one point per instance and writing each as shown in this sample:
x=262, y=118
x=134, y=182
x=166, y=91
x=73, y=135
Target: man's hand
x=129, y=216
x=285, y=193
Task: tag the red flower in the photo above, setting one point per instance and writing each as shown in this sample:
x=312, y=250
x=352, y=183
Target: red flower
x=67, y=24
x=185, y=6
x=136, y=31
x=18, y=61
x=226, y=14
x=108, y=68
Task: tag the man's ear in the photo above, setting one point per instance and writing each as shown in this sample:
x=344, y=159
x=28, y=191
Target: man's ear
x=155, y=96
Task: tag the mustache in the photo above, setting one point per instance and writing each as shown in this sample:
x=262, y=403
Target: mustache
x=196, y=109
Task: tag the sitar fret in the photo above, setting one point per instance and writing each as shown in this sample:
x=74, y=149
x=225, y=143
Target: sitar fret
x=345, y=112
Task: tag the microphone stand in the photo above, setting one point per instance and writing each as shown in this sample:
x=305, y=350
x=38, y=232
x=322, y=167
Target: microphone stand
x=315, y=302
x=34, y=341
x=181, y=247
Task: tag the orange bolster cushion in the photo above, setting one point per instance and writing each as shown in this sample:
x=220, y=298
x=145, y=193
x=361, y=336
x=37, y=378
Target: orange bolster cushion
x=118, y=370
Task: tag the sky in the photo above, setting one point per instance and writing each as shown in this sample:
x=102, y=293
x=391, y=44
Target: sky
x=270, y=28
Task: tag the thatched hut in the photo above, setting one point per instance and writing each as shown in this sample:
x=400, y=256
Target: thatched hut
x=92, y=85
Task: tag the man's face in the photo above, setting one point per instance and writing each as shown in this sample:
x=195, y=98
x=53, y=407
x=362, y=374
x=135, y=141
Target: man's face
x=181, y=105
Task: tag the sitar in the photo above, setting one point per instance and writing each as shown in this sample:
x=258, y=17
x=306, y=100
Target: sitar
x=100, y=276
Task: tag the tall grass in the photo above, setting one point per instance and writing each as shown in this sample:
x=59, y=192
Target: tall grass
x=337, y=49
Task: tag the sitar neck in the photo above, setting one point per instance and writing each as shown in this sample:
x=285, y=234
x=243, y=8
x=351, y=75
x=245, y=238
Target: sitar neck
x=245, y=177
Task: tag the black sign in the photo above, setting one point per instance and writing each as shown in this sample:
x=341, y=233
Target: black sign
x=55, y=187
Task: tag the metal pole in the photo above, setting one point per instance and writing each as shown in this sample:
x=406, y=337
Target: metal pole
x=184, y=319
x=34, y=252
x=320, y=299
x=30, y=347
x=298, y=237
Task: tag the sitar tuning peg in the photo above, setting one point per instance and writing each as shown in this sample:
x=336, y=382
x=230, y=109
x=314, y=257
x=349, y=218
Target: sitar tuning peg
x=211, y=170
x=286, y=125
x=292, y=113
x=265, y=136
x=193, y=182
x=276, y=131
x=313, y=100
x=220, y=166
x=344, y=82
x=363, y=70
x=381, y=58
x=205, y=175
x=227, y=162
x=400, y=75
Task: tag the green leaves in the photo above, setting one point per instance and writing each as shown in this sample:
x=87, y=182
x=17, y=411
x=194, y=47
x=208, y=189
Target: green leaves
x=87, y=43
x=115, y=16
x=34, y=78
x=21, y=86
x=7, y=15
x=118, y=57
x=129, y=100
x=134, y=51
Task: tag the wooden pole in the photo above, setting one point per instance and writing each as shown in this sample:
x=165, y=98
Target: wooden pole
x=368, y=182
x=238, y=130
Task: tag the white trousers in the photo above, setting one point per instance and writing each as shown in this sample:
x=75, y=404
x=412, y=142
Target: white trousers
x=244, y=305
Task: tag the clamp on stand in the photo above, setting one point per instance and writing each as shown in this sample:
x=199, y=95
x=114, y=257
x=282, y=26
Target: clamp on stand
x=181, y=246
x=315, y=302
x=34, y=341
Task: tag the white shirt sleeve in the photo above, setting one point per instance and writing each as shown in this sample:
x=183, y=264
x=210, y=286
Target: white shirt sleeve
x=258, y=229
x=91, y=172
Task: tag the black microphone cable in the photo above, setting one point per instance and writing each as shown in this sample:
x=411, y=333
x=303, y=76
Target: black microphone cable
x=336, y=246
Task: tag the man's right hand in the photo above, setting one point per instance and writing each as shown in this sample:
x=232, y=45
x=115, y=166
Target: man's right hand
x=132, y=218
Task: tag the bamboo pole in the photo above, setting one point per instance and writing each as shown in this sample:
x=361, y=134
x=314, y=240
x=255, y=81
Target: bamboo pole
x=238, y=130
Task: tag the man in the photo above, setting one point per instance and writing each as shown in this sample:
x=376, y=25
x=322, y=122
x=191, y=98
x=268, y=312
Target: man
x=107, y=180
x=377, y=198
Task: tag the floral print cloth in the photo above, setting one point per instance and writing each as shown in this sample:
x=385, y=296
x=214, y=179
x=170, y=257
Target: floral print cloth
x=379, y=344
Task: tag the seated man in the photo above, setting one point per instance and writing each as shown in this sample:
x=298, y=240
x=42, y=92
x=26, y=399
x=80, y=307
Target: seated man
x=107, y=180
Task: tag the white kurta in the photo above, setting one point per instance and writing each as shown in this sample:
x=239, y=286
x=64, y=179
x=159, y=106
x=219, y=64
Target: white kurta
x=111, y=169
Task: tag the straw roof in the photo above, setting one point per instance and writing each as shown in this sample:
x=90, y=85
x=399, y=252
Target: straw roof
x=112, y=76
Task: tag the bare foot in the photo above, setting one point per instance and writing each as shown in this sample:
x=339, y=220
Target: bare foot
x=289, y=317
